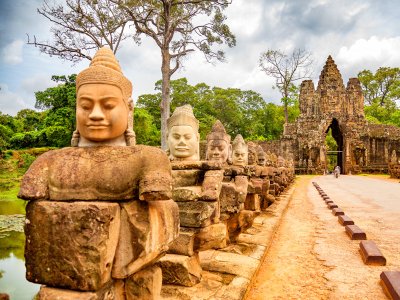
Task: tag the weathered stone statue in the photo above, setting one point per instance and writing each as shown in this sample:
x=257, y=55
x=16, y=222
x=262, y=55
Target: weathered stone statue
x=239, y=151
x=393, y=157
x=261, y=157
x=218, y=144
x=183, y=134
x=101, y=213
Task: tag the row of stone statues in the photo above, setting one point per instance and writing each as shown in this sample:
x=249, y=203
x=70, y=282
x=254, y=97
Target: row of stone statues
x=108, y=219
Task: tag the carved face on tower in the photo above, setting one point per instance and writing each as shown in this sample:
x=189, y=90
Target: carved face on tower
x=239, y=151
x=183, y=136
x=218, y=144
x=102, y=108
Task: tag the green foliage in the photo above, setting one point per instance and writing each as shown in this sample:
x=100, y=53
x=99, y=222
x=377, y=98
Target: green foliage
x=331, y=145
x=26, y=161
x=52, y=127
x=243, y=112
x=381, y=88
x=146, y=131
x=60, y=96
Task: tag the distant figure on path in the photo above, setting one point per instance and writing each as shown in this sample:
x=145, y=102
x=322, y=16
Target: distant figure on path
x=336, y=171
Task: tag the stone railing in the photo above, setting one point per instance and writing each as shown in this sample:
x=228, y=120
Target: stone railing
x=126, y=249
x=394, y=170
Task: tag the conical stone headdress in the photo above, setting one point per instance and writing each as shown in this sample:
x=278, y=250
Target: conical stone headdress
x=183, y=115
x=238, y=141
x=104, y=68
x=218, y=133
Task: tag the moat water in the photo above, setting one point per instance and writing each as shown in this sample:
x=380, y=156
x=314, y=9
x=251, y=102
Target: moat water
x=12, y=242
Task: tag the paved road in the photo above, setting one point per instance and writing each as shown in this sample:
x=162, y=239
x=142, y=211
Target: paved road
x=313, y=258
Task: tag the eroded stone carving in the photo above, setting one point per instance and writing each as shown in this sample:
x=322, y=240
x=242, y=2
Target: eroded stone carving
x=108, y=212
x=218, y=144
x=183, y=134
x=239, y=151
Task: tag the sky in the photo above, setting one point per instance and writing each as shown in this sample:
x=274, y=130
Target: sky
x=358, y=34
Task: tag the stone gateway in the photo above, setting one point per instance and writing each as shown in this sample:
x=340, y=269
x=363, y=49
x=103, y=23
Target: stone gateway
x=362, y=146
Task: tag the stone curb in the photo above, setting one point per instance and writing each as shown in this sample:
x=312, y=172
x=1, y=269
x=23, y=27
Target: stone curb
x=241, y=267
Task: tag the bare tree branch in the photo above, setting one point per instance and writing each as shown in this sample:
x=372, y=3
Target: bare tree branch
x=286, y=69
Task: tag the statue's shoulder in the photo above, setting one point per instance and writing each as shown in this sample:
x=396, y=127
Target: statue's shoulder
x=149, y=151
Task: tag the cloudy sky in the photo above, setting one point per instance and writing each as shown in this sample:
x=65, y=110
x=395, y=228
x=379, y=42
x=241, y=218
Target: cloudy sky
x=359, y=34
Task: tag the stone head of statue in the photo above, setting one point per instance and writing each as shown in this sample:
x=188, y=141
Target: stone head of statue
x=218, y=144
x=268, y=160
x=239, y=151
x=183, y=134
x=252, y=154
x=274, y=160
x=280, y=162
x=261, y=156
x=103, y=104
x=393, y=157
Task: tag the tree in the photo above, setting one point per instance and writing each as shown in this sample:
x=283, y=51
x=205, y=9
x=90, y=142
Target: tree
x=286, y=69
x=81, y=28
x=381, y=88
x=178, y=27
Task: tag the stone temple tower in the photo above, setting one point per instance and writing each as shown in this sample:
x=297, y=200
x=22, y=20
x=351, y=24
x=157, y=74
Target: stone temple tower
x=332, y=105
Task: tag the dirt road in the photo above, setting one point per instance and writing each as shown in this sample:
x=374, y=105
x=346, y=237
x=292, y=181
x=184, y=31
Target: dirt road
x=313, y=258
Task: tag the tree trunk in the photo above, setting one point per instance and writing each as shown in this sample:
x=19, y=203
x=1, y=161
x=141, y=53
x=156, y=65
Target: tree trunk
x=285, y=106
x=165, y=96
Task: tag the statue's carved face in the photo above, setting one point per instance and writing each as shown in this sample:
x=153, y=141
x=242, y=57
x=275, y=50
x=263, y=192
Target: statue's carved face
x=261, y=161
x=252, y=157
x=183, y=142
x=239, y=156
x=101, y=112
x=218, y=150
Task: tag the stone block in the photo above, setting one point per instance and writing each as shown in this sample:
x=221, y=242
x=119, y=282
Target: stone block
x=229, y=202
x=146, y=230
x=355, y=232
x=332, y=205
x=180, y=269
x=144, y=285
x=371, y=254
x=211, y=186
x=186, y=193
x=326, y=198
x=214, y=236
x=252, y=202
x=183, y=244
x=231, y=263
x=4, y=296
x=328, y=201
x=391, y=284
x=345, y=220
x=241, y=186
x=71, y=244
x=255, y=186
x=182, y=178
x=235, y=290
x=197, y=164
x=105, y=293
x=198, y=214
x=337, y=211
x=239, y=223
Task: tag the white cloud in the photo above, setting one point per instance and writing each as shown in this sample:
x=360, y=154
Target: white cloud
x=12, y=53
x=370, y=54
x=37, y=82
x=10, y=103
